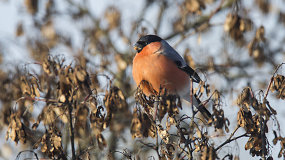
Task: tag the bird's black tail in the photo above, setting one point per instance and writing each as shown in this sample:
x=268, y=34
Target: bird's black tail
x=199, y=105
x=201, y=108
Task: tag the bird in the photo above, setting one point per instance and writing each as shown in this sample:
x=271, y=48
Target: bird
x=157, y=66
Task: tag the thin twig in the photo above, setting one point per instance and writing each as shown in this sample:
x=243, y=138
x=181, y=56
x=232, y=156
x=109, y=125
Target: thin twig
x=203, y=19
x=208, y=99
x=189, y=147
x=193, y=114
x=31, y=151
x=262, y=128
x=217, y=9
x=229, y=139
x=126, y=154
x=185, y=152
x=191, y=97
x=269, y=85
x=243, y=135
x=150, y=145
x=71, y=124
x=160, y=16
x=156, y=130
x=37, y=99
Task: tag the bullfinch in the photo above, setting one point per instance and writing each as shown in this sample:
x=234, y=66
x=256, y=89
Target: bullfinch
x=157, y=65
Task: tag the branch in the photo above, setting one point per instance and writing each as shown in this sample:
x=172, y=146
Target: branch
x=269, y=85
x=202, y=19
x=37, y=99
x=262, y=128
x=230, y=138
x=71, y=125
x=191, y=98
x=128, y=156
x=160, y=16
x=150, y=145
x=71, y=131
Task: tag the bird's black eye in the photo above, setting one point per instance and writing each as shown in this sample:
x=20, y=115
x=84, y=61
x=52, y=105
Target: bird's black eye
x=142, y=43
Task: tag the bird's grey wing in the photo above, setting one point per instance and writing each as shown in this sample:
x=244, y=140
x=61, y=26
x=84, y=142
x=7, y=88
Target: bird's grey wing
x=169, y=52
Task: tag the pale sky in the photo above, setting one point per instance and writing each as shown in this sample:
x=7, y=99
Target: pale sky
x=9, y=17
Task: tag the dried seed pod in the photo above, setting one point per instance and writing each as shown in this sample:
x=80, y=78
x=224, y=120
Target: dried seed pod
x=48, y=31
x=25, y=86
x=136, y=125
x=32, y=6
x=164, y=135
x=279, y=85
x=194, y=6
x=256, y=46
x=101, y=141
x=263, y=5
x=113, y=16
x=236, y=26
x=281, y=17
x=20, y=30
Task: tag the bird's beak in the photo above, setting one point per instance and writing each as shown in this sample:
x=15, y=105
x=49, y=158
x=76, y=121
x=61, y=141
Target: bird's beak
x=137, y=47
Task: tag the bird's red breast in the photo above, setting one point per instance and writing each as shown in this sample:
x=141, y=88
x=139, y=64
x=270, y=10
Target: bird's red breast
x=157, y=70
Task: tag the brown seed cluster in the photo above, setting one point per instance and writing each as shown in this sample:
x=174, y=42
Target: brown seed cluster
x=69, y=100
x=236, y=26
x=281, y=142
x=51, y=144
x=148, y=121
x=194, y=6
x=255, y=124
x=279, y=86
x=16, y=130
x=257, y=45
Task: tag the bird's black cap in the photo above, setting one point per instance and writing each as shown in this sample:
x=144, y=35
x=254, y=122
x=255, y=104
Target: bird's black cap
x=145, y=40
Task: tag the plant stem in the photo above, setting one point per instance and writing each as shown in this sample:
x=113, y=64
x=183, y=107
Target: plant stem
x=229, y=139
x=71, y=131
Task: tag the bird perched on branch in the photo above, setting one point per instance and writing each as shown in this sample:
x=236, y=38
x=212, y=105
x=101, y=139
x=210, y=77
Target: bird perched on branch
x=157, y=65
